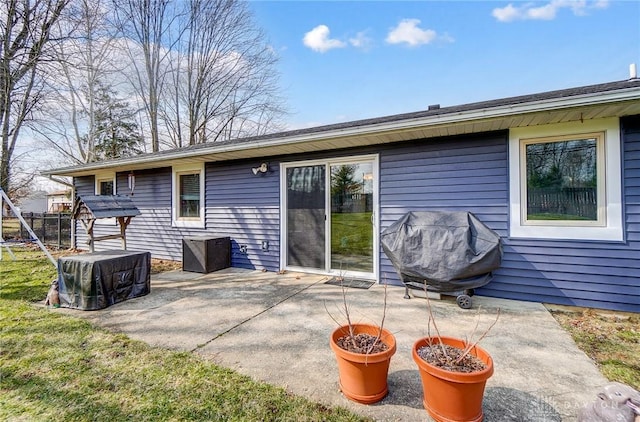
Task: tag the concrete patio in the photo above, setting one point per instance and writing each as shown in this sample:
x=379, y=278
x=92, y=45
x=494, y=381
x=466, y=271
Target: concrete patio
x=275, y=328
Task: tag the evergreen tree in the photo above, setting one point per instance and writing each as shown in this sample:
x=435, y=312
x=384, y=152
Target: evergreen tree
x=343, y=183
x=115, y=134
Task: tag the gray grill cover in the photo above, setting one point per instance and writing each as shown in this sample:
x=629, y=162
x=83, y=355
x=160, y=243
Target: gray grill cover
x=447, y=250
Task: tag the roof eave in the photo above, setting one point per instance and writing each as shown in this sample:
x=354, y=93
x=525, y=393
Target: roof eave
x=450, y=118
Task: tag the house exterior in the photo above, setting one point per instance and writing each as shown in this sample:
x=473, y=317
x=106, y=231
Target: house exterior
x=555, y=174
x=59, y=201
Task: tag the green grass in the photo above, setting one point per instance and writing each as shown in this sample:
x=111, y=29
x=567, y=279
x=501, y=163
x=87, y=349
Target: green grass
x=554, y=217
x=611, y=339
x=56, y=367
x=351, y=233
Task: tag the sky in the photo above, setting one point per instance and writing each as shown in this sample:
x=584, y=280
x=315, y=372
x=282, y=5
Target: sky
x=349, y=60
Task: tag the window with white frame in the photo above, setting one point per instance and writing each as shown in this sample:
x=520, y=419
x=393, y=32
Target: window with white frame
x=188, y=196
x=566, y=181
x=105, y=183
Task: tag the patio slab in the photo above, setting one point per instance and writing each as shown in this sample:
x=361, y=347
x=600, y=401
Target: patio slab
x=275, y=328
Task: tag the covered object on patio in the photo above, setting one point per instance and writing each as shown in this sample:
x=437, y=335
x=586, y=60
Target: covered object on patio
x=449, y=251
x=100, y=279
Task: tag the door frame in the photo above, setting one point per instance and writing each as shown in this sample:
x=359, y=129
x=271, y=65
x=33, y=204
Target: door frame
x=328, y=162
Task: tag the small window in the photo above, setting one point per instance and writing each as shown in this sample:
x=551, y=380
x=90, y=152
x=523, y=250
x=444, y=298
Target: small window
x=563, y=180
x=188, y=196
x=105, y=184
x=106, y=187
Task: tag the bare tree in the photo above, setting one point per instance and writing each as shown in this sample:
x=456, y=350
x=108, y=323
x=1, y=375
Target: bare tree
x=149, y=23
x=84, y=63
x=26, y=28
x=226, y=85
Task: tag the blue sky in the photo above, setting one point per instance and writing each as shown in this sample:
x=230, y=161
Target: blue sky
x=348, y=60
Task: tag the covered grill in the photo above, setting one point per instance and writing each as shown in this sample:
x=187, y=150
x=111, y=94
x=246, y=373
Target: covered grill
x=448, y=251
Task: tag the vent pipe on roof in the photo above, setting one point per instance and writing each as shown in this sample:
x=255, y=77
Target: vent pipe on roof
x=633, y=73
x=434, y=107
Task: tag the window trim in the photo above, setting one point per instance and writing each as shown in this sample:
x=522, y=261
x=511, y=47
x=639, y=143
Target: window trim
x=176, y=172
x=609, y=226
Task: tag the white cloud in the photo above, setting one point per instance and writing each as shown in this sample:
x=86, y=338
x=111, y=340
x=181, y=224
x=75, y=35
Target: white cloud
x=548, y=11
x=318, y=39
x=361, y=40
x=408, y=32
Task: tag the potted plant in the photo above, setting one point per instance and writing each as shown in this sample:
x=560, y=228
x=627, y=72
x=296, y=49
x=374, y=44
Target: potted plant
x=453, y=373
x=363, y=353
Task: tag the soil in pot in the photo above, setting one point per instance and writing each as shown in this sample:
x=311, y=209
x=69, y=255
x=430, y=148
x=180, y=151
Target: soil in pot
x=450, y=358
x=362, y=343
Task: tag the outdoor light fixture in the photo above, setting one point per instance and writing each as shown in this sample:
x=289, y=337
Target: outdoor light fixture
x=263, y=168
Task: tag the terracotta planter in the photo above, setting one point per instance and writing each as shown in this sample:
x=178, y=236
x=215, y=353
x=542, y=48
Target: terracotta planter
x=453, y=396
x=363, y=378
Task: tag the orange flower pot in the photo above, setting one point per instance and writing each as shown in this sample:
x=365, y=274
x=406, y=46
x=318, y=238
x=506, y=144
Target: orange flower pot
x=363, y=378
x=453, y=396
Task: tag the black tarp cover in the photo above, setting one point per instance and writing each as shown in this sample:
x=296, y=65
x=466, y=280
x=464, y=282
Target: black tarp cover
x=97, y=280
x=447, y=250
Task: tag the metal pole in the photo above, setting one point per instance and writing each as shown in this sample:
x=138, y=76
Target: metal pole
x=59, y=230
x=26, y=226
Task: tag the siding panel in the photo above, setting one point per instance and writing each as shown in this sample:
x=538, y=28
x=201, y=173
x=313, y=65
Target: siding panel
x=581, y=273
x=463, y=174
x=466, y=173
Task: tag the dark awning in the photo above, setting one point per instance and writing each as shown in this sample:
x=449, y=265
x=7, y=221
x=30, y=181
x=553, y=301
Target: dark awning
x=104, y=206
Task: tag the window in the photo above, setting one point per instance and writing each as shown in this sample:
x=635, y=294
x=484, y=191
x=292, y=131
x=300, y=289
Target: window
x=188, y=196
x=560, y=180
x=189, y=206
x=565, y=181
x=105, y=184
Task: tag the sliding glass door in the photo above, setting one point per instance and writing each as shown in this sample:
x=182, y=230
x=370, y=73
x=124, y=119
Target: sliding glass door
x=329, y=216
x=306, y=228
x=352, y=217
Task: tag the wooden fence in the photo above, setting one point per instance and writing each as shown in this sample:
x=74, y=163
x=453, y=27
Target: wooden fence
x=579, y=202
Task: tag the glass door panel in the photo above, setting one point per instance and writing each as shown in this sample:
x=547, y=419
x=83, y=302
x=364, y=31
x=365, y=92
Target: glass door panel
x=306, y=210
x=352, y=217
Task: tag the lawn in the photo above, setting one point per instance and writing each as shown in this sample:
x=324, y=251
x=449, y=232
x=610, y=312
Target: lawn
x=351, y=233
x=611, y=339
x=56, y=367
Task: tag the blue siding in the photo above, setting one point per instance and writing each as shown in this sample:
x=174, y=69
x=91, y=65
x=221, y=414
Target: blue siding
x=247, y=208
x=467, y=173
x=470, y=173
x=462, y=173
x=238, y=204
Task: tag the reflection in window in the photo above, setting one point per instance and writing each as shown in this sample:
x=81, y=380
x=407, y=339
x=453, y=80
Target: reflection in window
x=562, y=179
x=189, y=195
x=106, y=187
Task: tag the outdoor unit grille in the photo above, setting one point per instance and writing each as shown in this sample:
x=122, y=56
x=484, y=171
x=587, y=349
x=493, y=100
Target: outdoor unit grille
x=206, y=254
